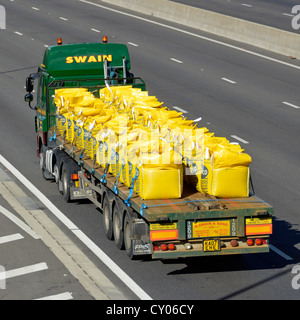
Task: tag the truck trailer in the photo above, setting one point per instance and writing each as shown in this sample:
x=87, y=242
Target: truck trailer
x=194, y=224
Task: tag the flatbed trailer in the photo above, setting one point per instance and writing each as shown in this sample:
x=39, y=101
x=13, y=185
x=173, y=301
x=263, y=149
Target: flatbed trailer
x=195, y=225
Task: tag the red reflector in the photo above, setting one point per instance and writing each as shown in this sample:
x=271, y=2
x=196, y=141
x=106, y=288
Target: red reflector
x=258, y=242
x=264, y=241
x=234, y=243
x=250, y=242
x=171, y=246
x=163, y=247
x=74, y=176
x=156, y=248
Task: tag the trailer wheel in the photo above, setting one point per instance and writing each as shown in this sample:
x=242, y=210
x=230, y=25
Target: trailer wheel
x=117, y=229
x=65, y=184
x=128, y=237
x=107, y=222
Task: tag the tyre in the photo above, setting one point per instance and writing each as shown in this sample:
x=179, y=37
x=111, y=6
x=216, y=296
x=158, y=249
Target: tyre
x=66, y=184
x=117, y=229
x=107, y=222
x=128, y=243
x=42, y=160
x=57, y=178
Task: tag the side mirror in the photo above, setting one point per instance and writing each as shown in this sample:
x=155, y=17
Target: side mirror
x=28, y=97
x=29, y=84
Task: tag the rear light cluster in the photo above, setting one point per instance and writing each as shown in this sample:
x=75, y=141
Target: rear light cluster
x=164, y=247
x=257, y=241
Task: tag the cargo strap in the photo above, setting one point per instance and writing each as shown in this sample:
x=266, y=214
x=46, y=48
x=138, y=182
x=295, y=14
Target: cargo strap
x=80, y=162
x=53, y=138
x=115, y=189
x=103, y=180
x=127, y=201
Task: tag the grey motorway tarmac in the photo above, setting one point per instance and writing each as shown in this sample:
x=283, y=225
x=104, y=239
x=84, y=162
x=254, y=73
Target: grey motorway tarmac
x=251, y=97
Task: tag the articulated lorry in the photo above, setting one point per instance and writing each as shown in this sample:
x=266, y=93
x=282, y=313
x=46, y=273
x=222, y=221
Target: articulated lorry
x=190, y=224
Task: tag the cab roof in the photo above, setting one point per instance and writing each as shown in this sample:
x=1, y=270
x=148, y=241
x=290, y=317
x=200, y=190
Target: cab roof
x=83, y=58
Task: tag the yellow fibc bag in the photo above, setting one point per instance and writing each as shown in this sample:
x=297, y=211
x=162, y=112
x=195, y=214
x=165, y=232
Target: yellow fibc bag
x=230, y=173
x=79, y=136
x=70, y=127
x=61, y=123
x=102, y=153
x=155, y=180
x=230, y=182
x=205, y=177
x=226, y=174
x=159, y=182
x=69, y=96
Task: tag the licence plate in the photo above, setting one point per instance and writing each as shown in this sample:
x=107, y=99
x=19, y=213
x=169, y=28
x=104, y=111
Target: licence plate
x=211, y=245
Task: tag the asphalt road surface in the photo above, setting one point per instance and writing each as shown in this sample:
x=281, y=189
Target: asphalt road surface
x=248, y=95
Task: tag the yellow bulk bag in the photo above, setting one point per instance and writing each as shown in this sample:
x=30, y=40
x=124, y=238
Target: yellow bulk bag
x=231, y=182
x=72, y=95
x=102, y=153
x=79, y=136
x=70, y=127
x=205, y=177
x=214, y=142
x=86, y=101
x=86, y=111
x=61, y=123
x=157, y=182
x=163, y=114
x=226, y=157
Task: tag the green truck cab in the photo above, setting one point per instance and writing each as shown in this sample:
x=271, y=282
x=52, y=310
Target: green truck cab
x=195, y=225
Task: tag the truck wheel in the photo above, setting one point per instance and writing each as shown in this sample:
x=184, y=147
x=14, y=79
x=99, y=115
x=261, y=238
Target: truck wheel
x=128, y=237
x=42, y=160
x=107, y=222
x=65, y=184
x=58, y=179
x=117, y=229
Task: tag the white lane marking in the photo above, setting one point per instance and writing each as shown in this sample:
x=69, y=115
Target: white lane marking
x=112, y=266
x=175, y=60
x=95, y=30
x=18, y=33
x=71, y=226
x=198, y=119
x=194, y=35
x=133, y=44
x=180, y=110
x=282, y=254
x=247, y=5
x=12, y=237
x=60, y=296
x=288, y=14
x=228, y=80
x=24, y=270
x=19, y=222
x=35, y=8
x=239, y=139
x=63, y=18
x=290, y=105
